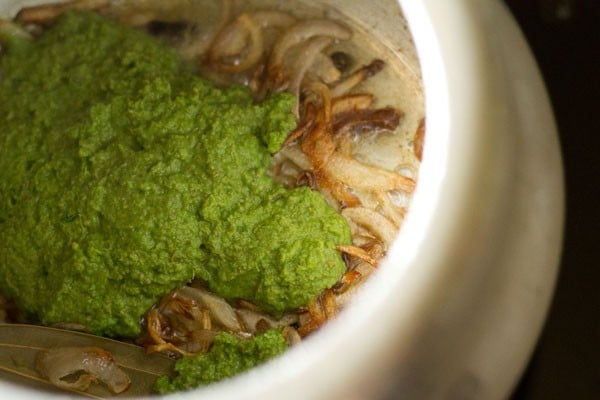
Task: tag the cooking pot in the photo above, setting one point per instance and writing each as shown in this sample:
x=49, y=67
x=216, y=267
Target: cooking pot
x=456, y=308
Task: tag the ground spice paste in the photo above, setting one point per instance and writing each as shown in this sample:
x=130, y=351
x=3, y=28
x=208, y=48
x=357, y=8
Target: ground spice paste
x=123, y=176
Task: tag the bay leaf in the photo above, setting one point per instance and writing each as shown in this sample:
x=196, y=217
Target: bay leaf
x=20, y=345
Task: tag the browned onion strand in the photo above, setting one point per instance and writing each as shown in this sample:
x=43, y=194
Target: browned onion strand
x=241, y=45
x=359, y=253
x=275, y=79
x=366, y=120
x=219, y=310
x=374, y=222
x=87, y=365
x=232, y=38
x=320, y=310
x=187, y=321
x=351, y=103
x=323, y=69
x=350, y=82
x=306, y=59
x=366, y=177
x=301, y=32
x=230, y=41
x=45, y=14
x=244, y=35
x=419, y=140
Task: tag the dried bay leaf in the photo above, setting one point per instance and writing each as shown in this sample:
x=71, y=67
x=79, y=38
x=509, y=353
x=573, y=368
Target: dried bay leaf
x=21, y=344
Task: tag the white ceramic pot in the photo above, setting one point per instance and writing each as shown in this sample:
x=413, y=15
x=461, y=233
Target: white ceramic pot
x=456, y=309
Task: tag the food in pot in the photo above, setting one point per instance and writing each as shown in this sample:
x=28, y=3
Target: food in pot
x=228, y=213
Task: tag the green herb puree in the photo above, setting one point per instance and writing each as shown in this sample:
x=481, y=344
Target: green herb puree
x=123, y=176
x=227, y=357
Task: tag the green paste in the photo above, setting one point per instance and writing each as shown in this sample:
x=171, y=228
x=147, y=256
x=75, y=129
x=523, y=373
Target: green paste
x=123, y=176
x=227, y=357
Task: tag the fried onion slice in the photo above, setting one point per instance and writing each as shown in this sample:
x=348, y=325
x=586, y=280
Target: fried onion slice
x=76, y=368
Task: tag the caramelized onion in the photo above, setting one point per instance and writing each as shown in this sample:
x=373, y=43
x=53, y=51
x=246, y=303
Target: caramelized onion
x=220, y=311
x=374, y=222
x=243, y=40
x=341, y=195
x=357, y=252
x=295, y=155
x=85, y=365
x=347, y=84
x=47, y=13
x=351, y=283
x=320, y=310
x=324, y=69
x=304, y=31
x=392, y=211
x=419, y=140
x=293, y=36
x=365, y=177
x=351, y=102
x=366, y=120
x=242, y=36
x=306, y=58
x=254, y=321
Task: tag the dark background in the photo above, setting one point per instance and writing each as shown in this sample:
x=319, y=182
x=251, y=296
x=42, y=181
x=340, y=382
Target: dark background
x=564, y=36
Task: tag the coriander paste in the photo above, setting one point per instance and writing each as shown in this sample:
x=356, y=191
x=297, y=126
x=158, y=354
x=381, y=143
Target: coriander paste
x=227, y=357
x=123, y=176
